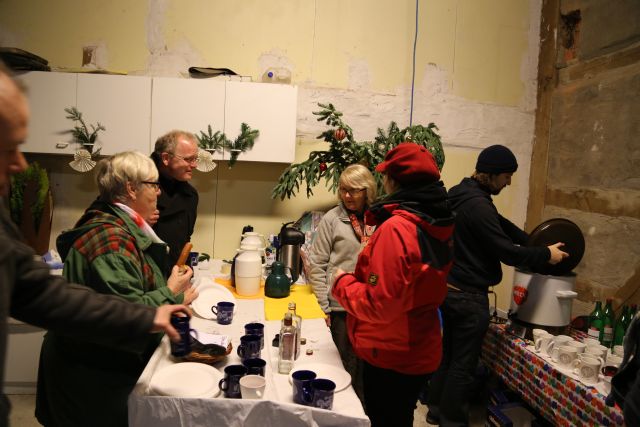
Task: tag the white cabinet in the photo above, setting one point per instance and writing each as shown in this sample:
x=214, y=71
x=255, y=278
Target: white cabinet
x=49, y=94
x=122, y=104
x=137, y=110
x=187, y=104
x=270, y=108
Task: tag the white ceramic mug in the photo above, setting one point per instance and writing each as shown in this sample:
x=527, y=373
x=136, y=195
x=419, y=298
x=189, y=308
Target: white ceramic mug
x=590, y=341
x=555, y=343
x=587, y=369
x=614, y=360
x=578, y=345
x=603, y=349
x=252, y=386
x=542, y=343
x=618, y=350
x=537, y=333
x=596, y=352
x=566, y=355
x=591, y=356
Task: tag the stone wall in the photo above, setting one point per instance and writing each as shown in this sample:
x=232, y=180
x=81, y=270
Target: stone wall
x=593, y=142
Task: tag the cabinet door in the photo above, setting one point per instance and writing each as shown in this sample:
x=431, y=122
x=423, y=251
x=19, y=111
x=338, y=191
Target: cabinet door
x=270, y=108
x=187, y=104
x=49, y=94
x=122, y=104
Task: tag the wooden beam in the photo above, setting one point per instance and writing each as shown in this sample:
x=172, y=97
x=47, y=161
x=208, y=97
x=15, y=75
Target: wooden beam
x=547, y=81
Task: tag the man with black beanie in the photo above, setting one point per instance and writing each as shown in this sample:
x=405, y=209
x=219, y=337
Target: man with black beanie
x=482, y=240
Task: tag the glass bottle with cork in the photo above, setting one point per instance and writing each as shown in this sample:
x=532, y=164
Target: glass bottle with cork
x=297, y=323
x=287, y=346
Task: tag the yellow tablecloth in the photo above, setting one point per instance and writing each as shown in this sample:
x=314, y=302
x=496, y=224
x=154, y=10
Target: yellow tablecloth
x=227, y=284
x=307, y=305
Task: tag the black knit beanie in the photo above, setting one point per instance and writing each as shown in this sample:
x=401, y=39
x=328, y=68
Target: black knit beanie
x=496, y=159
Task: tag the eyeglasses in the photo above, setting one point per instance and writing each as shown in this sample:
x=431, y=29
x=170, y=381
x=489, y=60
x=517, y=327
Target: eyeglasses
x=154, y=184
x=351, y=191
x=191, y=160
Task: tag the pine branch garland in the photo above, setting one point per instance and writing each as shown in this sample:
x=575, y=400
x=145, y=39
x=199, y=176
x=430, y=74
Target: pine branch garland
x=344, y=150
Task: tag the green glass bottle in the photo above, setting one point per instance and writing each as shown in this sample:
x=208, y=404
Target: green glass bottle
x=621, y=326
x=595, y=322
x=606, y=338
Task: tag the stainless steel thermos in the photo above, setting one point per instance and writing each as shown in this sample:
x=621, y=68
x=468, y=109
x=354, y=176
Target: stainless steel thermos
x=291, y=239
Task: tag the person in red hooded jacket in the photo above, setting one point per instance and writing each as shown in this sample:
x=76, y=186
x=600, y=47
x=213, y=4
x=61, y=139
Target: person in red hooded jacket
x=392, y=298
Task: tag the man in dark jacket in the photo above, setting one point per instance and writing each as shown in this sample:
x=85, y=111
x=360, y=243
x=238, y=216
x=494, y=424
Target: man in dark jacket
x=28, y=292
x=482, y=240
x=175, y=156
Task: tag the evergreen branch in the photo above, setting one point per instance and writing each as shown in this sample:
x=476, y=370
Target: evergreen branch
x=81, y=134
x=212, y=141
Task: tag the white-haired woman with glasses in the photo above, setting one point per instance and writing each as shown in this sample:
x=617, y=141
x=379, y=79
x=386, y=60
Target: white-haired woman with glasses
x=113, y=250
x=340, y=236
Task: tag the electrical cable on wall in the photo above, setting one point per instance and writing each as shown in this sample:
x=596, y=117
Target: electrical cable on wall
x=413, y=75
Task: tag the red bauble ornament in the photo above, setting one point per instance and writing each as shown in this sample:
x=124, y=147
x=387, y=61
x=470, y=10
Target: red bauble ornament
x=323, y=167
x=340, y=134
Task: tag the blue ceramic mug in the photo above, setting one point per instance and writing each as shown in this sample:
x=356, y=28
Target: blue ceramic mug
x=255, y=329
x=181, y=324
x=255, y=366
x=301, y=381
x=249, y=347
x=322, y=391
x=230, y=384
x=224, y=312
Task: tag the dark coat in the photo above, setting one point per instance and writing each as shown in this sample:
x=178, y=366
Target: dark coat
x=178, y=206
x=483, y=239
x=29, y=293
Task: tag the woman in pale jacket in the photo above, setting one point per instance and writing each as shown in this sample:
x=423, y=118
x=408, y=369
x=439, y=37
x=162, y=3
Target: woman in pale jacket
x=340, y=236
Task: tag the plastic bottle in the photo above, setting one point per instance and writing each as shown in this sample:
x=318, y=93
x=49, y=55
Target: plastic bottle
x=277, y=75
x=297, y=323
x=607, y=324
x=621, y=326
x=595, y=322
x=287, y=346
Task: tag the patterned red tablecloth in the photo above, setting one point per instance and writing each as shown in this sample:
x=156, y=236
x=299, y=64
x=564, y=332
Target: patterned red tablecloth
x=558, y=398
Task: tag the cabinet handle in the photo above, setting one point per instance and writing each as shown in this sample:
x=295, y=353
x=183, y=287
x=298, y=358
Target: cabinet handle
x=62, y=145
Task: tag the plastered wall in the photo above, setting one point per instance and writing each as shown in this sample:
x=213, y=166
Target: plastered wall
x=475, y=77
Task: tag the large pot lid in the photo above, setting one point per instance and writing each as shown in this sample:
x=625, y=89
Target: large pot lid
x=559, y=230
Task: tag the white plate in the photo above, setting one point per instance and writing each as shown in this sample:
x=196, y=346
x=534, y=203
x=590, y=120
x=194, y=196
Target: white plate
x=209, y=294
x=186, y=379
x=322, y=370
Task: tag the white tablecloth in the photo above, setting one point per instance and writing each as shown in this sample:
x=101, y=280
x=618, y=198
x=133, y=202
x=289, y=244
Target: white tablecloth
x=276, y=409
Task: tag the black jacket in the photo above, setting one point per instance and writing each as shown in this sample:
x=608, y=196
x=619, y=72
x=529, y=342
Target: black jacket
x=483, y=238
x=178, y=206
x=28, y=292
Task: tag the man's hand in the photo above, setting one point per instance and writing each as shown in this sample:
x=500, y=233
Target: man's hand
x=162, y=320
x=556, y=254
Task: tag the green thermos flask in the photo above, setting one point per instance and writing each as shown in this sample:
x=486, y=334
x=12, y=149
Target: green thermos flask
x=278, y=284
